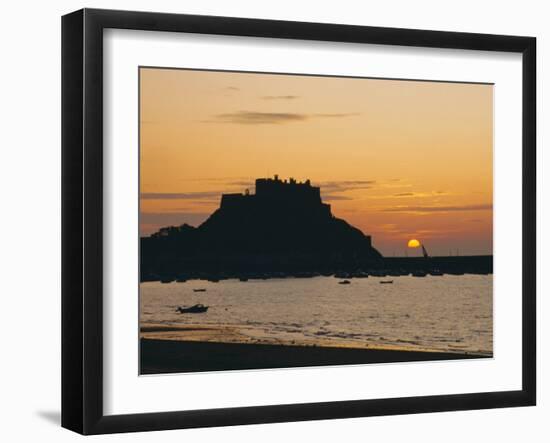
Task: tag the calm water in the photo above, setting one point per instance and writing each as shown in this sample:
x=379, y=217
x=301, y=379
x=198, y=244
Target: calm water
x=448, y=313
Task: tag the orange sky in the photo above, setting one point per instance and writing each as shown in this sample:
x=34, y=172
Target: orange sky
x=397, y=159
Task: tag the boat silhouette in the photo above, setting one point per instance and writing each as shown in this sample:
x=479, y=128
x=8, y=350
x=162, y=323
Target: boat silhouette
x=195, y=309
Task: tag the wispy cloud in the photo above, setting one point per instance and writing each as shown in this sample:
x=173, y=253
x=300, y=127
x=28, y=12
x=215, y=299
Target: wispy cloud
x=336, y=190
x=420, y=194
x=242, y=183
x=161, y=219
x=260, y=118
x=263, y=118
x=429, y=209
x=280, y=97
x=346, y=185
x=335, y=197
x=331, y=190
x=214, y=179
x=206, y=195
x=395, y=183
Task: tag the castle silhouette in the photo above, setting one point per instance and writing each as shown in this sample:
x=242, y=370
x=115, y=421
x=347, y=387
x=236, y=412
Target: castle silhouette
x=283, y=229
x=284, y=225
x=280, y=193
x=277, y=202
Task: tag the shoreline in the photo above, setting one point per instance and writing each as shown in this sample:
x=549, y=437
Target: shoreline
x=164, y=356
x=383, y=267
x=242, y=334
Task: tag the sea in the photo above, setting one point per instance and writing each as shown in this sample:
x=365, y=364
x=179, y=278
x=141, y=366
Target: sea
x=450, y=313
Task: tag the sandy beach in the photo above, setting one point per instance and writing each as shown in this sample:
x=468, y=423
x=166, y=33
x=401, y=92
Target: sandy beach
x=192, y=348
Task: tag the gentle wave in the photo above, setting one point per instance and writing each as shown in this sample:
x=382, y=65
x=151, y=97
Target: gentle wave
x=443, y=313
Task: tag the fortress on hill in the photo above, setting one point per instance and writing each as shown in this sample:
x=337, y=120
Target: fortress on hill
x=283, y=226
x=282, y=200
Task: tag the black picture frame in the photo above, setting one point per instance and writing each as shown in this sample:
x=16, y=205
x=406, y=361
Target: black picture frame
x=82, y=218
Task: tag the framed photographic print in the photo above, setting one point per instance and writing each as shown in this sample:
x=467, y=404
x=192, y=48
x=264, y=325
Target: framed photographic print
x=269, y=221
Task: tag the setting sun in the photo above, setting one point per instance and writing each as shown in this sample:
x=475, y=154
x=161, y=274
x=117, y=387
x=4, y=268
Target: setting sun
x=413, y=243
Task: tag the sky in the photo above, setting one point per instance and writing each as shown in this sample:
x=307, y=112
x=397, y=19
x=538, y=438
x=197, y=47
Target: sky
x=398, y=159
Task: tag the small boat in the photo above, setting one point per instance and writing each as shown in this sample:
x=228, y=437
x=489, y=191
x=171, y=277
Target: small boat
x=386, y=282
x=344, y=282
x=195, y=309
x=243, y=279
x=436, y=272
x=167, y=280
x=199, y=290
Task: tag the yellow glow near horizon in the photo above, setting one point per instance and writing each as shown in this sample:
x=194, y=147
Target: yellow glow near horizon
x=414, y=243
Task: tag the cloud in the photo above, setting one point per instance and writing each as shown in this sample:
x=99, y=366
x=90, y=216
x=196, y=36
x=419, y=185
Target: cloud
x=335, y=190
x=395, y=183
x=242, y=183
x=263, y=118
x=346, y=185
x=161, y=219
x=331, y=191
x=420, y=194
x=180, y=195
x=260, y=118
x=213, y=179
x=332, y=197
x=429, y=209
x=327, y=188
x=280, y=97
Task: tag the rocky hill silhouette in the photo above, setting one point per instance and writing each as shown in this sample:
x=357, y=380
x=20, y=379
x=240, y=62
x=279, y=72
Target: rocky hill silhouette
x=284, y=226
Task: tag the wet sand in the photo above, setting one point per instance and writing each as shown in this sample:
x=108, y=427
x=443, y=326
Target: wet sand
x=166, y=349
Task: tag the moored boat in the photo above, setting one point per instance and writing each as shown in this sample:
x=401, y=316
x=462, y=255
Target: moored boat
x=195, y=309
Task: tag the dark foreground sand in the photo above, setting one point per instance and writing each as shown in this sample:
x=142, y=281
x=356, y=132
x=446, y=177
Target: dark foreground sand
x=168, y=356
